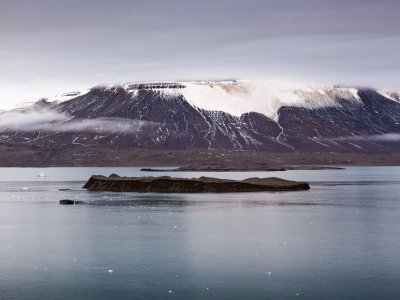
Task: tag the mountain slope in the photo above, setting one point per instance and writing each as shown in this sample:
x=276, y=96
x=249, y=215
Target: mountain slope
x=226, y=115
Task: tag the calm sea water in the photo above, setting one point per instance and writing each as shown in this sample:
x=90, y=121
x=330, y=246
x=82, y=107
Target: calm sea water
x=340, y=240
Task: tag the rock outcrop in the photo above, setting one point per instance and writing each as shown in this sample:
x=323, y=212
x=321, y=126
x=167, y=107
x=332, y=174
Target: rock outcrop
x=166, y=184
x=71, y=202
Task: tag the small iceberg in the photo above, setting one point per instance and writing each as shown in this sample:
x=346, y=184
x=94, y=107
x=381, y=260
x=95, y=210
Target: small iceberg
x=41, y=175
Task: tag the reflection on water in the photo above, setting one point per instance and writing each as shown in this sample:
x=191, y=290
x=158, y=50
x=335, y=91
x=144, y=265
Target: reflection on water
x=337, y=241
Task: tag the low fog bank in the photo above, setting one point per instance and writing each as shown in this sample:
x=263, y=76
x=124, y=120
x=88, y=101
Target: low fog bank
x=52, y=121
x=384, y=137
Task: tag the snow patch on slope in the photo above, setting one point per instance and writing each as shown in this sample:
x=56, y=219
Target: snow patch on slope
x=387, y=95
x=262, y=96
x=395, y=96
x=66, y=96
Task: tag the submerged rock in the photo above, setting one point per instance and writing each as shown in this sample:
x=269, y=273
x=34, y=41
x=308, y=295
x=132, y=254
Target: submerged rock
x=166, y=184
x=70, y=202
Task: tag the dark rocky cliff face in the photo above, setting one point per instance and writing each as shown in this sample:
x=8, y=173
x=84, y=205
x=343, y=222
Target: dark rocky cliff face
x=168, y=121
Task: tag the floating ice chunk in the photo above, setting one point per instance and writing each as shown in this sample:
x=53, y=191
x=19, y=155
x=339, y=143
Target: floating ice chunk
x=110, y=271
x=41, y=175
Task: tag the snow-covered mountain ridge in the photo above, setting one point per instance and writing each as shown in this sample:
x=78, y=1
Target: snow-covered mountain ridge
x=237, y=97
x=233, y=114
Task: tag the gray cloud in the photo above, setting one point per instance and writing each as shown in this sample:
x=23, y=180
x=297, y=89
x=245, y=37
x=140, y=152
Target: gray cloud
x=391, y=137
x=51, y=121
x=385, y=137
x=50, y=46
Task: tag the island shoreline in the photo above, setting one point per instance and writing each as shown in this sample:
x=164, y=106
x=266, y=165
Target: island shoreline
x=167, y=184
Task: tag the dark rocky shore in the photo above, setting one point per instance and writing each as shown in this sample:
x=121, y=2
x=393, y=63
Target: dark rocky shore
x=166, y=184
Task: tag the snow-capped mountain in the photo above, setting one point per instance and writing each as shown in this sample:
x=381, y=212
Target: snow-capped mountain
x=233, y=115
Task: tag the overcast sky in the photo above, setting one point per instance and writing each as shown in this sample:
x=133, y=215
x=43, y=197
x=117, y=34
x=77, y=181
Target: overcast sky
x=53, y=46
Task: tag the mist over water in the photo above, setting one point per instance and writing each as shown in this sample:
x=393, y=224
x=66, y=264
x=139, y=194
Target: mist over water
x=337, y=241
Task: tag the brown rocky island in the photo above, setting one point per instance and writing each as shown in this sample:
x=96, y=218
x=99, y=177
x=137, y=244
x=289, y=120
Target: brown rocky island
x=166, y=184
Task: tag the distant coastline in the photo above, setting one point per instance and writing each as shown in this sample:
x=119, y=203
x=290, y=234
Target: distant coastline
x=116, y=156
x=239, y=168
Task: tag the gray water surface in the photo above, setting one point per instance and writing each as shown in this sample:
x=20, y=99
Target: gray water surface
x=340, y=240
